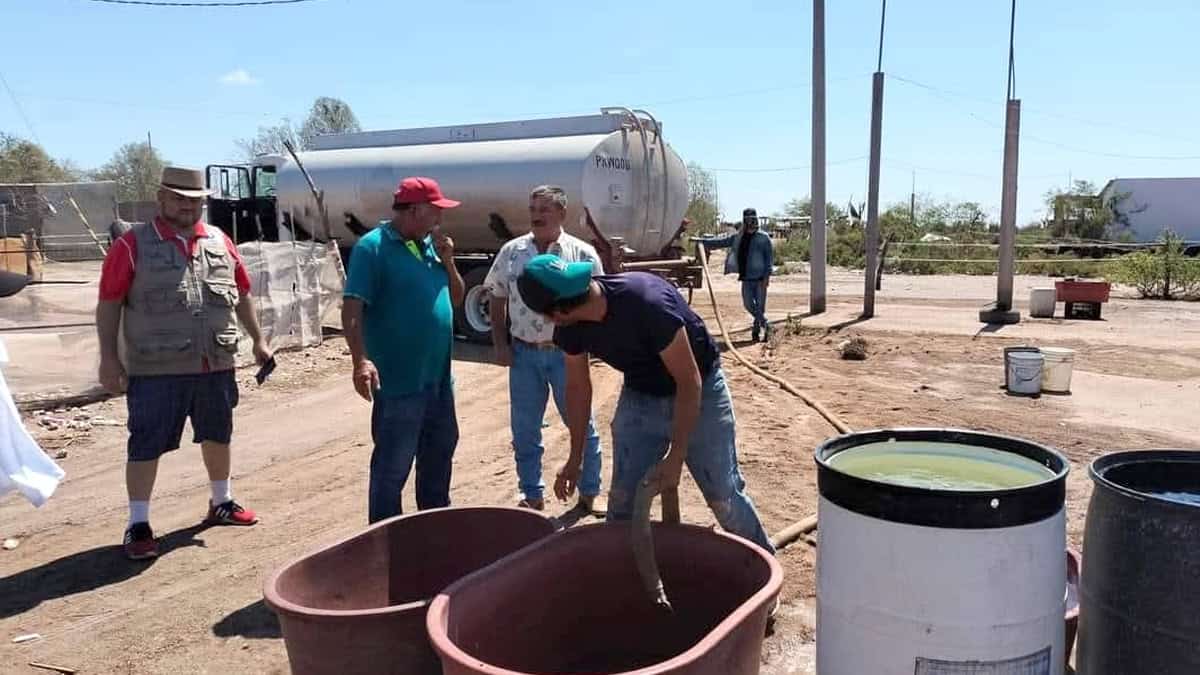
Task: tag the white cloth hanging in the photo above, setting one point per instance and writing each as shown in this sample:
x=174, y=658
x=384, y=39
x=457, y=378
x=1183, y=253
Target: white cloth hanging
x=23, y=465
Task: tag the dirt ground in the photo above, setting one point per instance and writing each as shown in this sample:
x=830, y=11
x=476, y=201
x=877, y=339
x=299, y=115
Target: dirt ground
x=302, y=445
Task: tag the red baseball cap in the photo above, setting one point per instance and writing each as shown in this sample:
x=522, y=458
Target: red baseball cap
x=419, y=190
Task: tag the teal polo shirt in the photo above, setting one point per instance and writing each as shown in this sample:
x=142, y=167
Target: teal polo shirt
x=408, y=321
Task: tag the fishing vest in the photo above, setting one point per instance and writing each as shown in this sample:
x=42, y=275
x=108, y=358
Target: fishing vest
x=179, y=312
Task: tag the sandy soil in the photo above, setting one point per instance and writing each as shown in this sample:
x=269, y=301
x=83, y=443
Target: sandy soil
x=302, y=446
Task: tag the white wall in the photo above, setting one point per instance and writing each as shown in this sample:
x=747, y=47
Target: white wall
x=1163, y=203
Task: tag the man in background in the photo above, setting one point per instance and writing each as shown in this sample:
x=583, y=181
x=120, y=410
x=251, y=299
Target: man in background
x=536, y=366
x=752, y=258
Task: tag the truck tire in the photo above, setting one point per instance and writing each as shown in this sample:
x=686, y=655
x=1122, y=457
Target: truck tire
x=473, y=320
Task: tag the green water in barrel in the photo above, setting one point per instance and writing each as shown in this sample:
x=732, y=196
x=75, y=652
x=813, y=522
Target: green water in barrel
x=941, y=466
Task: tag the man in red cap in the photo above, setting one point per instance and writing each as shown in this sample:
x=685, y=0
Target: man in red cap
x=398, y=318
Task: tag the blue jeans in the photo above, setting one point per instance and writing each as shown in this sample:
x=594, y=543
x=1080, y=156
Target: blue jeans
x=534, y=374
x=641, y=431
x=421, y=427
x=754, y=299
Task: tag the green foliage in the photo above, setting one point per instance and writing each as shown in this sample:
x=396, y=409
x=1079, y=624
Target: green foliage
x=703, y=209
x=967, y=245
x=270, y=140
x=802, y=208
x=1165, y=273
x=23, y=161
x=137, y=169
x=327, y=116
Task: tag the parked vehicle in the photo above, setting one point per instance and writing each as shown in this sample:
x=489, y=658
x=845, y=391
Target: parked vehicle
x=616, y=163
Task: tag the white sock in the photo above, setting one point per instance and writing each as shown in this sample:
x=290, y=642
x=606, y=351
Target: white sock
x=221, y=492
x=139, y=511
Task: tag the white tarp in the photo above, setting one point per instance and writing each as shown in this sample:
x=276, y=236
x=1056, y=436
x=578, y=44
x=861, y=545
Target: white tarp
x=296, y=289
x=23, y=465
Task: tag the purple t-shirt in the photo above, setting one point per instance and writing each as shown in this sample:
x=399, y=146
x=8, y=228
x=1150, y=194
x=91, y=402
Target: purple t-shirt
x=644, y=314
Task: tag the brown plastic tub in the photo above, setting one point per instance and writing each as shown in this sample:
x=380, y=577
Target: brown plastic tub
x=358, y=606
x=573, y=603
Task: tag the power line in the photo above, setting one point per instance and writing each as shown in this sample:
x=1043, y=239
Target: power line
x=169, y=107
x=20, y=110
x=943, y=93
x=239, y=3
x=780, y=169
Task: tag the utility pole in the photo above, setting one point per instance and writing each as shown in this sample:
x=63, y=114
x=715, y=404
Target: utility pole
x=1002, y=312
x=912, y=202
x=149, y=143
x=816, y=304
x=873, y=179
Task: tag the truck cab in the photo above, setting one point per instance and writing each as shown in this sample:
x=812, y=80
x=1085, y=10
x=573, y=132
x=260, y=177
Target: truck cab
x=243, y=202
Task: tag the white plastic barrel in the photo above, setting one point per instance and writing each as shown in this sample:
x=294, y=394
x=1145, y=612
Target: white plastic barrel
x=1042, y=302
x=1058, y=364
x=927, y=581
x=1025, y=373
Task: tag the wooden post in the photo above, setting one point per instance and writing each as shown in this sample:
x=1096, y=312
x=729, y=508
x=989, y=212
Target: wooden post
x=319, y=195
x=86, y=224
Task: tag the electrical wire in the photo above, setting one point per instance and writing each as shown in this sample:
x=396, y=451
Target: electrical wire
x=780, y=169
x=945, y=95
x=20, y=109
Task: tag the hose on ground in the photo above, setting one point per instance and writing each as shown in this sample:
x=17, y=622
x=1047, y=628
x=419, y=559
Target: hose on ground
x=793, y=532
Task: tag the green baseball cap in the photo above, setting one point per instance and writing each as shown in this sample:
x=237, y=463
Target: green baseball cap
x=548, y=278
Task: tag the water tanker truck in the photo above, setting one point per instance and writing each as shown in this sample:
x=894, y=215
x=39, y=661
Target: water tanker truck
x=616, y=164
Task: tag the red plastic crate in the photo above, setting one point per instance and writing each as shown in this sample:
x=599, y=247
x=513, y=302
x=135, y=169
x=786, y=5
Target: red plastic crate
x=1073, y=291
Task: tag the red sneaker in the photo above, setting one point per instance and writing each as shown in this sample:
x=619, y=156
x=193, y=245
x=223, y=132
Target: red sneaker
x=140, y=543
x=230, y=513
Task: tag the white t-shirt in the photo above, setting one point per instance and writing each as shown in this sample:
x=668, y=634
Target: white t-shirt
x=501, y=280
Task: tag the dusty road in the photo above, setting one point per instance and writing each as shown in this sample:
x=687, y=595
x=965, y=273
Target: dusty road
x=301, y=450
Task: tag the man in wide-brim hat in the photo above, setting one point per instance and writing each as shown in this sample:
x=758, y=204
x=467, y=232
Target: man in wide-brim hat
x=175, y=289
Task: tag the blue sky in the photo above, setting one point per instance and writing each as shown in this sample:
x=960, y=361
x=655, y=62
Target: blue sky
x=1108, y=88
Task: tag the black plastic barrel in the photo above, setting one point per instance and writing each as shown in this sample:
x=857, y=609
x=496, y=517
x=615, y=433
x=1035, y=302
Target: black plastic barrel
x=1140, y=585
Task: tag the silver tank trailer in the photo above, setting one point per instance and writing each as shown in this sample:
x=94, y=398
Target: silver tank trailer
x=615, y=163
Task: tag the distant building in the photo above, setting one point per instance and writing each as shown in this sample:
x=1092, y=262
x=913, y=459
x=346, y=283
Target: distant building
x=1153, y=205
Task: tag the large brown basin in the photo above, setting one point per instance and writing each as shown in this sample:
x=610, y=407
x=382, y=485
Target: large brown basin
x=573, y=603
x=358, y=605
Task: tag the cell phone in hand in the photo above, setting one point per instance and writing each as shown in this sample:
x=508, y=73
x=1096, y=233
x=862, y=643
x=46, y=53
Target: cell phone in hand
x=265, y=371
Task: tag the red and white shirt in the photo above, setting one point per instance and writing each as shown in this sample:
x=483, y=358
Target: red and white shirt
x=116, y=275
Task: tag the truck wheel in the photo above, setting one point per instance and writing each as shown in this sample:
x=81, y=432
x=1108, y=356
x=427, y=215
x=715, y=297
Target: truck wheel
x=473, y=320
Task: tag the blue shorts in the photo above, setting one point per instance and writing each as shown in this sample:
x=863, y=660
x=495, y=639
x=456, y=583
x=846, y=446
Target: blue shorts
x=159, y=405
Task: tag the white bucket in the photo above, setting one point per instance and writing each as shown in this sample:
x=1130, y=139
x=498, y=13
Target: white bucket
x=1058, y=365
x=1042, y=302
x=1025, y=373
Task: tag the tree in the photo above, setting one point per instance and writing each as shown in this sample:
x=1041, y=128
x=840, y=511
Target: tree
x=703, y=209
x=1078, y=211
x=968, y=216
x=802, y=208
x=137, y=169
x=270, y=140
x=23, y=161
x=328, y=116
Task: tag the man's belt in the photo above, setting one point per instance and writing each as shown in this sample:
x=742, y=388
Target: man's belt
x=535, y=345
